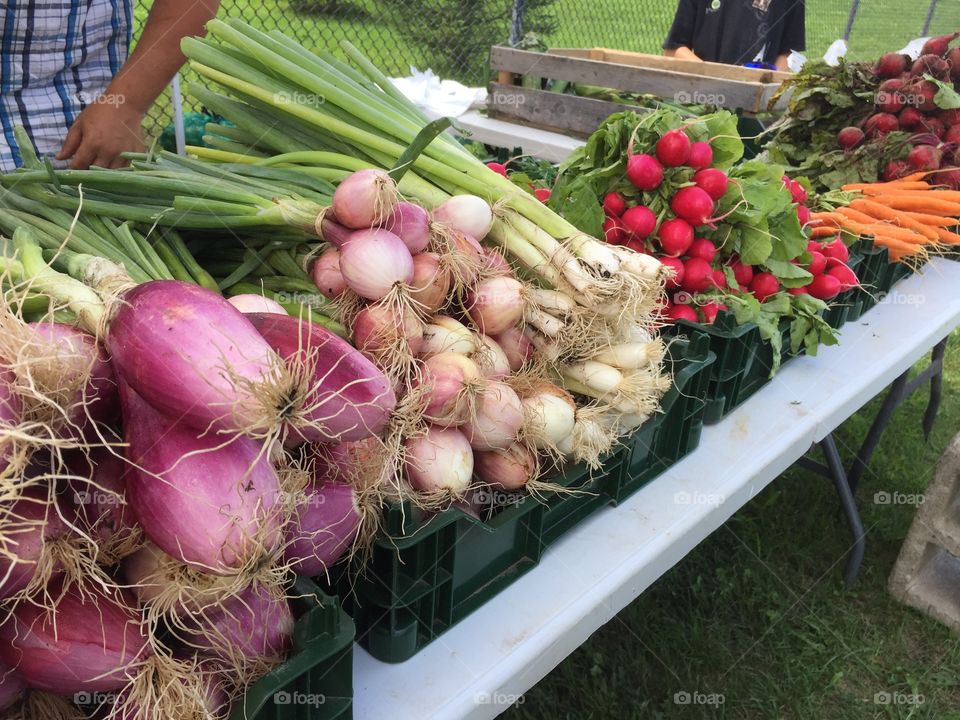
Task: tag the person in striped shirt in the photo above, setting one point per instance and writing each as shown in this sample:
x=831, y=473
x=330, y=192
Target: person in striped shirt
x=66, y=78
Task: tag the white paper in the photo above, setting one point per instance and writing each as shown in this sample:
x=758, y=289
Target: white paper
x=436, y=97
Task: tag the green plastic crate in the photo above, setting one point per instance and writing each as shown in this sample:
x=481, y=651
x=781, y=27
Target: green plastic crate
x=316, y=681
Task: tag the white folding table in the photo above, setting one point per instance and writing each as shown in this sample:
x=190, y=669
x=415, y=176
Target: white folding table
x=479, y=667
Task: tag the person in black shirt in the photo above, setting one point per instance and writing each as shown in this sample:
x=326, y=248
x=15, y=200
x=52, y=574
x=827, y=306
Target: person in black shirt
x=737, y=32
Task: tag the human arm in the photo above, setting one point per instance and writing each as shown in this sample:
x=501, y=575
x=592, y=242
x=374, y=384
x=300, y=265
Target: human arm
x=781, y=62
x=794, y=34
x=110, y=124
x=681, y=53
x=679, y=40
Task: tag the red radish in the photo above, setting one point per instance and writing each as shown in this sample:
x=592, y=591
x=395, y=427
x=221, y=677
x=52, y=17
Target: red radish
x=824, y=287
x=938, y=45
x=910, y=118
x=701, y=155
x=497, y=417
x=850, y=137
x=803, y=214
x=467, y=214
x=498, y=168
x=712, y=181
x=364, y=199
x=615, y=231
x=446, y=376
x=516, y=346
x=816, y=245
x=207, y=502
x=675, y=264
x=410, y=223
x=798, y=290
x=718, y=279
x=697, y=275
x=743, y=274
x=89, y=641
x=542, y=194
x=895, y=169
x=636, y=244
x=644, y=171
x=380, y=330
x=952, y=136
x=508, y=469
x=347, y=397
x=495, y=304
x=835, y=249
x=323, y=527
x=430, y=286
x=703, y=248
x=764, y=285
x=673, y=148
x=710, y=311
x=250, y=303
x=682, y=312
x=639, y=221
x=949, y=118
x=891, y=65
x=846, y=276
x=439, y=460
x=818, y=263
x=797, y=191
x=932, y=65
x=934, y=129
x=614, y=204
x=924, y=157
x=881, y=124
x=675, y=236
x=693, y=205
x=245, y=630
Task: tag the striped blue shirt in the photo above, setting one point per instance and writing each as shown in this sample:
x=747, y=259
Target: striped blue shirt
x=56, y=57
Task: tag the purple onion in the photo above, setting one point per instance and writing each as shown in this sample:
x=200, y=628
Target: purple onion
x=28, y=524
x=11, y=687
x=89, y=642
x=410, y=223
x=101, y=506
x=213, y=675
x=9, y=415
x=205, y=500
x=193, y=356
x=78, y=356
x=351, y=398
x=255, y=624
x=324, y=526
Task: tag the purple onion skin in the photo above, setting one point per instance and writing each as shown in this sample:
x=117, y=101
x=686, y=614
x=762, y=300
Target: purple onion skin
x=33, y=522
x=99, y=400
x=351, y=398
x=174, y=343
x=254, y=623
x=214, y=676
x=11, y=687
x=213, y=505
x=324, y=527
x=9, y=413
x=100, y=504
x=97, y=641
x=410, y=223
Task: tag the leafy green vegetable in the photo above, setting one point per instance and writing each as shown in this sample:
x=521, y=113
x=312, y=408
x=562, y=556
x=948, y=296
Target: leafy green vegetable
x=946, y=98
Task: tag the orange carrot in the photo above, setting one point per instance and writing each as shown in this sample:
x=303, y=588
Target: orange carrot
x=882, y=212
x=892, y=185
x=936, y=220
x=852, y=213
x=827, y=217
x=824, y=231
x=924, y=203
x=886, y=230
x=948, y=237
x=936, y=193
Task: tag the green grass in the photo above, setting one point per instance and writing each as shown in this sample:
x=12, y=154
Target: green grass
x=621, y=24
x=758, y=612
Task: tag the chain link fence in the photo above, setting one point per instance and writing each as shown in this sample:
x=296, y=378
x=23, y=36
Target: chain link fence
x=453, y=37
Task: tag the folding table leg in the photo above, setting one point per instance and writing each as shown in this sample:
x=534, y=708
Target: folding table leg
x=936, y=388
x=890, y=402
x=849, y=504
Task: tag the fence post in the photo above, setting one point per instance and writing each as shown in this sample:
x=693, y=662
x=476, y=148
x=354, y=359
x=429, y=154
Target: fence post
x=516, y=21
x=851, y=17
x=926, y=23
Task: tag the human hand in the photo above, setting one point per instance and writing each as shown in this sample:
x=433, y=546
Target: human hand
x=101, y=132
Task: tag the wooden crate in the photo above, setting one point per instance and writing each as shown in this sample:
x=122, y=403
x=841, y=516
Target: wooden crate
x=728, y=86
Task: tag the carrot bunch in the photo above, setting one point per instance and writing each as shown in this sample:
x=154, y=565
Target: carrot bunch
x=907, y=216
